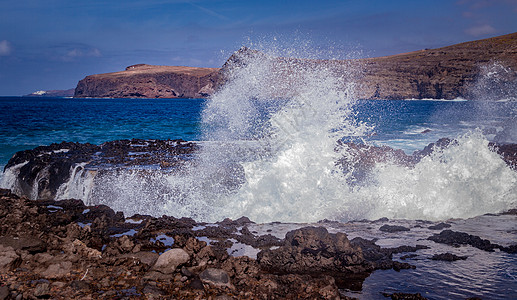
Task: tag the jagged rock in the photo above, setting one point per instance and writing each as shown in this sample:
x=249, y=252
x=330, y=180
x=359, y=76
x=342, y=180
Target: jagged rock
x=8, y=258
x=29, y=243
x=83, y=250
x=44, y=169
x=404, y=296
x=42, y=290
x=312, y=250
x=145, y=257
x=170, y=260
x=393, y=228
x=4, y=292
x=450, y=237
x=58, y=269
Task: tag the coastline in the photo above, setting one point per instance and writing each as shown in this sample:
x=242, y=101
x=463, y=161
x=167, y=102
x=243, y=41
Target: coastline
x=66, y=250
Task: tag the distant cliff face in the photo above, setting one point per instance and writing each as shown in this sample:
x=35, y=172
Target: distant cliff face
x=461, y=70
x=484, y=68
x=146, y=81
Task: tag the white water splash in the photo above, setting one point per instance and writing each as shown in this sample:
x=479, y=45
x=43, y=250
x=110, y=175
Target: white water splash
x=296, y=179
x=79, y=186
x=464, y=180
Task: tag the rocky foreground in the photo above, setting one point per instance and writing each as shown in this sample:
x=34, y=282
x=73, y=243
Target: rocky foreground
x=463, y=70
x=66, y=250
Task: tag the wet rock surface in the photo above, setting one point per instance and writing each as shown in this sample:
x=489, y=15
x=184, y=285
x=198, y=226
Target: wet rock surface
x=457, y=239
x=40, y=172
x=448, y=257
x=66, y=250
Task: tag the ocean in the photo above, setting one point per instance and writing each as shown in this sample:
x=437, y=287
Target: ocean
x=28, y=122
x=289, y=150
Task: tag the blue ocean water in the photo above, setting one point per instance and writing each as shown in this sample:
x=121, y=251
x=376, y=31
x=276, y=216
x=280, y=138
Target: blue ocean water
x=28, y=122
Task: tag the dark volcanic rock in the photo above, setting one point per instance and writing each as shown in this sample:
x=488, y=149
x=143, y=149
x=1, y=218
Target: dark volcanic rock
x=448, y=257
x=43, y=170
x=508, y=152
x=450, y=237
x=381, y=258
x=404, y=296
x=439, y=226
x=455, y=238
x=393, y=228
x=312, y=250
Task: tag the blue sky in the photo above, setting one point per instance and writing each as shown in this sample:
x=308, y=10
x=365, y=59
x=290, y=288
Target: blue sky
x=52, y=44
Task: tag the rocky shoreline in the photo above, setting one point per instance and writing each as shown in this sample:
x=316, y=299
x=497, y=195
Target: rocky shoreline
x=66, y=250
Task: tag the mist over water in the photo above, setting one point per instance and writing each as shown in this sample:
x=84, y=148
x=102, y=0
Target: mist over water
x=293, y=115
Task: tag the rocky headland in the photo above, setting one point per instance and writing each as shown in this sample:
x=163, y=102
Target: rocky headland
x=147, y=81
x=463, y=70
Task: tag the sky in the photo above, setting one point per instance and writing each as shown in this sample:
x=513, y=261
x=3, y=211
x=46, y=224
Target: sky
x=52, y=44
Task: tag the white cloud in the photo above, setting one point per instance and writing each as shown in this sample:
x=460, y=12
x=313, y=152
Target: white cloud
x=480, y=30
x=5, y=48
x=76, y=53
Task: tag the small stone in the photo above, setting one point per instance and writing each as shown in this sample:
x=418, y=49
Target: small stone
x=79, y=285
x=4, y=292
x=196, y=284
x=8, y=258
x=439, y=226
x=42, y=290
x=448, y=257
x=217, y=277
x=57, y=270
x=170, y=260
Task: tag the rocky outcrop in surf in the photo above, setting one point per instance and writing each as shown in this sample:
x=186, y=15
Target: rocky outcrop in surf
x=55, y=171
x=44, y=172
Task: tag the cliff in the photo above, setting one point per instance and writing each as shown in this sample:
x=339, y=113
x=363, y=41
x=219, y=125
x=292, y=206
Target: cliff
x=463, y=70
x=445, y=73
x=147, y=81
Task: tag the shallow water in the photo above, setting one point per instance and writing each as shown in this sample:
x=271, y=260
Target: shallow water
x=488, y=275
